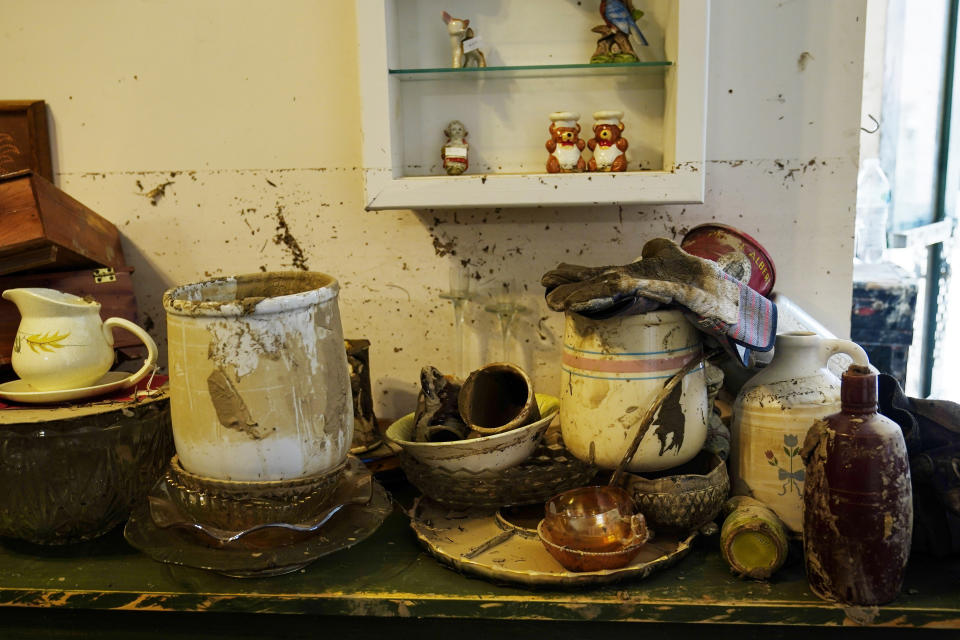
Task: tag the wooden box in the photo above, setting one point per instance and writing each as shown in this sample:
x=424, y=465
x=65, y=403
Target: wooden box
x=112, y=289
x=24, y=137
x=41, y=227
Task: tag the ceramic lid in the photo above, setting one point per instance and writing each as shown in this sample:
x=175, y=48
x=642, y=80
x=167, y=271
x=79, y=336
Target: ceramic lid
x=713, y=241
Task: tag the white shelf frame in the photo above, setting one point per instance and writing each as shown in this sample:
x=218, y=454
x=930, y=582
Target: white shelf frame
x=684, y=127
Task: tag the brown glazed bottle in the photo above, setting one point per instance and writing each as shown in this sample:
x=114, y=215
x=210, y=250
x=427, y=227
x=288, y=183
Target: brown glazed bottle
x=857, y=501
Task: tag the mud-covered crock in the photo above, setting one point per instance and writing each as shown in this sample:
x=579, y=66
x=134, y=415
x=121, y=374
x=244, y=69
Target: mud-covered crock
x=259, y=383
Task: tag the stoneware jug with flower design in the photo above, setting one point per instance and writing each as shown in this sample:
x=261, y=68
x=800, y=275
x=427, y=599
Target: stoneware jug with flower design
x=772, y=414
x=61, y=342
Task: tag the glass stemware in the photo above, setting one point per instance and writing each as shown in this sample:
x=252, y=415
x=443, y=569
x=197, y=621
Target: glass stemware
x=458, y=294
x=505, y=303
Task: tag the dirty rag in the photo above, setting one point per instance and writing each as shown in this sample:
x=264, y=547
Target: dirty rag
x=718, y=304
x=931, y=430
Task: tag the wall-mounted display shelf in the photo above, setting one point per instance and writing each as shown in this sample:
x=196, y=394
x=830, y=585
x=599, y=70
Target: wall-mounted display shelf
x=530, y=71
x=537, y=55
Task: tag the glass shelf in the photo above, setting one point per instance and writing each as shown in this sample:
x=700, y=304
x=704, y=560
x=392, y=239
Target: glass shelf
x=531, y=70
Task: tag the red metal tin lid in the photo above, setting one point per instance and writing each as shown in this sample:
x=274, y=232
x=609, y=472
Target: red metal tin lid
x=713, y=241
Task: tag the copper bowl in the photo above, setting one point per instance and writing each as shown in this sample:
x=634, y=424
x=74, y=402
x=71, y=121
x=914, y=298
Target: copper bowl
x=594, y=519
x=578, y=560
x=240, y=505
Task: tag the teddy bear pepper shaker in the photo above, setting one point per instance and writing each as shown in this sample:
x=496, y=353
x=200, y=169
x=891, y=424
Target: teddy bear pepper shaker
x=607, y=145
x=565, y=143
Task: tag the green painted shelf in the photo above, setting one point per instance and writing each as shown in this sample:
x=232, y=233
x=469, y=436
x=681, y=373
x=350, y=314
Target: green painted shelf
x=388, y=577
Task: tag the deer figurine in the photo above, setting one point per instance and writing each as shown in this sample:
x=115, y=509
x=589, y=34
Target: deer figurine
x=463, y=44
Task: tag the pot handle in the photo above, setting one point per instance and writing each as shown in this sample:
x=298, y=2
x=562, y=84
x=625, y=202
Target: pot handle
x=852, y=349
x=150, y=363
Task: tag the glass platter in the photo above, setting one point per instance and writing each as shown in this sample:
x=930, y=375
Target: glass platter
x=349, y=526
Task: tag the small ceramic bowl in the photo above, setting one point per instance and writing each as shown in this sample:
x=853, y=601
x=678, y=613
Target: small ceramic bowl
x=578, y=560
x=476, y=455
x=549, y=470
x=593, y=519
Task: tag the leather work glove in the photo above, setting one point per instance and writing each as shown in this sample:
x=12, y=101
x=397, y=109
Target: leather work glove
x=664, y=274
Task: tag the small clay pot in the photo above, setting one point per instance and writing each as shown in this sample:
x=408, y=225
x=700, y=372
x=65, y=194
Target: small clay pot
x=498, y=397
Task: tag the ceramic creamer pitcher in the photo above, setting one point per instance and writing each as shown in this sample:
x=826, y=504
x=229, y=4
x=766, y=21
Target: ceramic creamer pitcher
x=62, y=343
x=772, y=414
x=612, y=371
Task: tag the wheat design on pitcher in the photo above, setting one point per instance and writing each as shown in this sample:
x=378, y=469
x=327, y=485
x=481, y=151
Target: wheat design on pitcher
x=41, y=342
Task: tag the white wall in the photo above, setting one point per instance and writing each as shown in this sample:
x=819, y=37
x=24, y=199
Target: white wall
x=247, y=112
x=873, y=56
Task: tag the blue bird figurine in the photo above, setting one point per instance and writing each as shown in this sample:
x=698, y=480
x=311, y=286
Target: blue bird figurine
x=620, y=15
x=614, y=44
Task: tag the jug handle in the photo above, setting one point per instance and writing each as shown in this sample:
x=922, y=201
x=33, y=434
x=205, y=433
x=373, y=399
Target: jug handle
x=150, y=363
x=852, y=349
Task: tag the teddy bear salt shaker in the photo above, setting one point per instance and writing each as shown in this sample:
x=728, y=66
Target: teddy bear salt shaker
x=565, y=143
x=609, y=148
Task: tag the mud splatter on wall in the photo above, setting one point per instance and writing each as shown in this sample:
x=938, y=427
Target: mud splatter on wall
x=277, y=184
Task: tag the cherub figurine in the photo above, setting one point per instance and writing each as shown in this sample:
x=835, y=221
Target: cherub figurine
x=454, y=152
x=619, y=21
x=607, y=145
x=565, y=143
x=464, y=46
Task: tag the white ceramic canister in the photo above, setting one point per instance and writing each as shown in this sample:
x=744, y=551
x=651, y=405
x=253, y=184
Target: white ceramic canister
x=772, y=414
x=259, y=385
x=612, y=371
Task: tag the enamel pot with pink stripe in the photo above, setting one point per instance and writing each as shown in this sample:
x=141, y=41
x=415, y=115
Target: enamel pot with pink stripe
x=612, y=371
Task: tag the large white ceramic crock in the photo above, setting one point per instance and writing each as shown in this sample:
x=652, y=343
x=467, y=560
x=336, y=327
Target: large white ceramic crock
x=259, y=385
x=612, y=371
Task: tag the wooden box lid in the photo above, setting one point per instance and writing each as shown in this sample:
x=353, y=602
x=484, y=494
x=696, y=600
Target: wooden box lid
x=24, y=137
x=41, y=227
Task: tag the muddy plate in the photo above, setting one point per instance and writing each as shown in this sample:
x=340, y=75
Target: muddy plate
x=480, y=543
